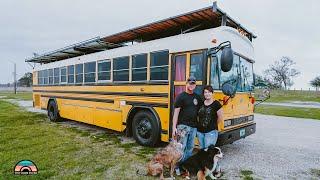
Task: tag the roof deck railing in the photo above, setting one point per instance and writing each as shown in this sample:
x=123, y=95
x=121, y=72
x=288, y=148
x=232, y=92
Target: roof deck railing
x=206, y=18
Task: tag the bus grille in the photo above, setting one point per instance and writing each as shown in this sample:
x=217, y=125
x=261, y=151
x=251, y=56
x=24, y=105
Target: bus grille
x=239, y=120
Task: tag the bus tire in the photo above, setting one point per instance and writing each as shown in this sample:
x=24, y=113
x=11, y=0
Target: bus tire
x=146, y=128
x=53, y=112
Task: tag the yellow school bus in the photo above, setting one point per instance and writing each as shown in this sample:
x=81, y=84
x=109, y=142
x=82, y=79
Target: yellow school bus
x=128, y=81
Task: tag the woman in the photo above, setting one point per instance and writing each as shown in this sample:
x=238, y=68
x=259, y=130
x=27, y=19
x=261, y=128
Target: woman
x=209, y=116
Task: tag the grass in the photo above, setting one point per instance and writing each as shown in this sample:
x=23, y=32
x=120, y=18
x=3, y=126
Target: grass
x=19, y=95
x=292, y=95
x=311, y=113
x=315, y=173
x=246, y=174
x=64, y=152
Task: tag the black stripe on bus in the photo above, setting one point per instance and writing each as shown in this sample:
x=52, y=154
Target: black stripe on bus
x=107, y=84
x=106, y=93
x=109, y=101
x=81, y=98
x=137, y=103
x=164, y=131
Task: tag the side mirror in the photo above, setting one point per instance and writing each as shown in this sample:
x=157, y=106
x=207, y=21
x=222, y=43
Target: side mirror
x=228, y=90
x=265, y=95
x=226, y=60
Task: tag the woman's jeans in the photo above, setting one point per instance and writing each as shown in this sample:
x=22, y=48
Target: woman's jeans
x=207, y=139
x=187, y=140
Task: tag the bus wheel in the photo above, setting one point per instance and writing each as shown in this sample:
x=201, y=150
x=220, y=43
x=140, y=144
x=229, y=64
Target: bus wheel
x=146, y=129
x=53, y=113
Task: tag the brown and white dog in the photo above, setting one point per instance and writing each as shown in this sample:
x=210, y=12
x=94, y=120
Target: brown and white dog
x=204, y=163
x=167, y=157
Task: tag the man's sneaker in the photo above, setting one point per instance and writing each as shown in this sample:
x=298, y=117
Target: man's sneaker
x=178, y=173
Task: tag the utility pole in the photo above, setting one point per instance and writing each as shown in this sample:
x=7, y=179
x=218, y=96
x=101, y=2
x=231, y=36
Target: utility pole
x=15, y=78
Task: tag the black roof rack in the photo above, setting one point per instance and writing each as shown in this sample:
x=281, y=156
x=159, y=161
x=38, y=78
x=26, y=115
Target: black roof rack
x=201, y=19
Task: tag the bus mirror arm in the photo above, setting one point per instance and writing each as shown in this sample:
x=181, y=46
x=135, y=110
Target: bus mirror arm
x=266, y=95
x=225, y=101
x=226, y=59
x=213, y=51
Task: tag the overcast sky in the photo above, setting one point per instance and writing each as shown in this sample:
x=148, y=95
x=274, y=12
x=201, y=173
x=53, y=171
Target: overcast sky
x=284, y=27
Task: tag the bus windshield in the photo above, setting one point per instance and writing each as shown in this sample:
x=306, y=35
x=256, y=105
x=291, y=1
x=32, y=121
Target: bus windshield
x=241, y=71
x=246, y=69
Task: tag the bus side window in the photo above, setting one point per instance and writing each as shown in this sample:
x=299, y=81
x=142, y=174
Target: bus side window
x=79, y=73
x=90, y=72
x=45, y=76
x=56, y=76
x=104, y=70
x=139, y=67
x=40, y=79
x=71, y=74
x=121, y=69
x=196, y=64
x=180, y=67
x=50, y=75
x=63, y=75
x=159, y=65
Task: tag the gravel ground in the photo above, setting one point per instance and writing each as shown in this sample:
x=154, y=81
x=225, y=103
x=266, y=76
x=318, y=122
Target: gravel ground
x=281, y=148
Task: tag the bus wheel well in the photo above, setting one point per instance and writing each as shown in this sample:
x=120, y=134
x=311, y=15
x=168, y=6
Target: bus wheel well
x=53, y=111
x=133, y=111
x=50, y=99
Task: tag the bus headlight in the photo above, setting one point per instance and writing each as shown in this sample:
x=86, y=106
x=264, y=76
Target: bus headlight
x=227, y=123
x=250, y=118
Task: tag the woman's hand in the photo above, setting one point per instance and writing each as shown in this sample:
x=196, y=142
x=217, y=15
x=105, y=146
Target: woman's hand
x=174, y=132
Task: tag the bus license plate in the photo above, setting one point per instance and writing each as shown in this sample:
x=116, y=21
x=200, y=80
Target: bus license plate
x=242, y=132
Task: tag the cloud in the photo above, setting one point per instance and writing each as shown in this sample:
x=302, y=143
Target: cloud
x=284, y=28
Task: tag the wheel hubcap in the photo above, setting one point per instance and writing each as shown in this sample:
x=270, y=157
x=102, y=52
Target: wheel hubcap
x=144, y=129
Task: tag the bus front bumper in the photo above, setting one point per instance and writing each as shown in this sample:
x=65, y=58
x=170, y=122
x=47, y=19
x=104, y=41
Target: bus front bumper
x=229, y=137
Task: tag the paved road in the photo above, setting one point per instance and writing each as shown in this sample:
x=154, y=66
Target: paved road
x=282, y=148
x=23, y=89
x=26, y=104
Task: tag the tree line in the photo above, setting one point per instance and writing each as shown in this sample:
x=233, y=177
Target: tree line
x=280, y=75
x=25, y=80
